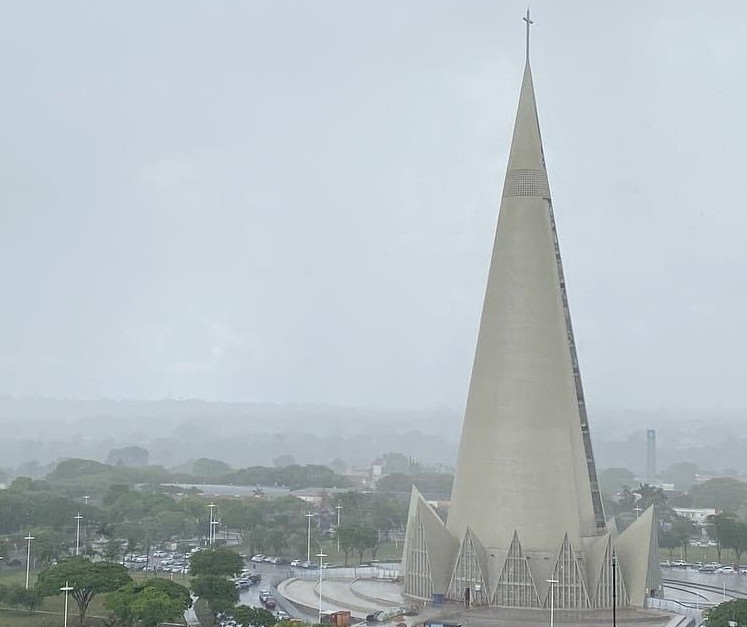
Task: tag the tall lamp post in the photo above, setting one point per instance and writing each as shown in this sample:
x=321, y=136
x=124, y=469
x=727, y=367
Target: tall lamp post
x=78, y=518
x=210, y=526
x=86, y=498
x=309, y=516
x=213, y=525
x=320, y=555
x=552, y=583
x=614, y=589
x=338, y=507
x=66, y=588
x=28, y=538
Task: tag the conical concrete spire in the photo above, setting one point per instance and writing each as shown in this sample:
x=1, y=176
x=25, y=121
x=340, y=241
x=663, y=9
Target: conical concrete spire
x=526, y=146
x=523, y=461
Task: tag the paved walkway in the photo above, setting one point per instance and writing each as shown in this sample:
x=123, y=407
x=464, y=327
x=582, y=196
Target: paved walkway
x=189, y=615
x=364, y=596
x=360, y=597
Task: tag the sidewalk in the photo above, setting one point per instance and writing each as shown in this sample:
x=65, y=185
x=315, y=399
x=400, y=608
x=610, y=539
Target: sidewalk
x=189, y=615
x=360, y=597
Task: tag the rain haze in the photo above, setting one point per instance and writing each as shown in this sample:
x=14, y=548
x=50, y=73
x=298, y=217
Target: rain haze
x=295, y=202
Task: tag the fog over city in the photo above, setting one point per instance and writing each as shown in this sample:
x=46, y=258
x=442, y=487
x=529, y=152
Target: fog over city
x=291, y=205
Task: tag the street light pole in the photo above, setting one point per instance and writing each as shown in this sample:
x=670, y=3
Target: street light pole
x=614, y=589
x=29, y=538
x=309, y=516
x=320, y=555
x=210, y=526
x=213, y=524
x=78, y=518
x=66, y=588
x=552, y=583
x=338, y=507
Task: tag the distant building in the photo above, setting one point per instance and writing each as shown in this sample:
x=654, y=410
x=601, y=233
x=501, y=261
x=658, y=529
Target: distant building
x=316, y=496
x=698, y=516
x=650, y=456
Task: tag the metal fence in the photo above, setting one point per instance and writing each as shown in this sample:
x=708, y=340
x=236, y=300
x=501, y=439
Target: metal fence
x=692, y=610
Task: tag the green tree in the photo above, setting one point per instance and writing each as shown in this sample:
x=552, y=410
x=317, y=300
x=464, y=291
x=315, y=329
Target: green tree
x=218, y=562
x=613, y=480
x=682, y=475
x=436, y=483
x=16, y=595
x=87, y=579
x=220, y=593
x=151, y=601
x=173, y=589
x=729, y=532
x=256, y=616
x=338, y=465
x=366, y=538
x=395, y=463
x=723, y=613
x=205, y=467
x=128, y=456
x=112, y=550
x=724, y=494
x=682, y=529
x=49, y=545
x=668, y=540
x=283, y=460
x=346, y=535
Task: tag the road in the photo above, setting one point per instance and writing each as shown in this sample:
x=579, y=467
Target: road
x=271, y=576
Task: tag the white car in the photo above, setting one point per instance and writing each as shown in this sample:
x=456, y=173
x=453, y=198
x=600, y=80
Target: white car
x=281, y=615
x=296, y=563
x=726, y=570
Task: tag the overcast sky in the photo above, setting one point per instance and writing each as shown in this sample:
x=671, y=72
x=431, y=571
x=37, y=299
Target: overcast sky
x=296, y=201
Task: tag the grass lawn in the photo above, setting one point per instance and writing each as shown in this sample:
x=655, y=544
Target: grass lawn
x=50, y=612
x=387, y=551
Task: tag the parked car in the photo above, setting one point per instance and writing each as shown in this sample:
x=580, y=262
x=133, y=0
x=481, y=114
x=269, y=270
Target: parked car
x=296, y=563
x=707, y=568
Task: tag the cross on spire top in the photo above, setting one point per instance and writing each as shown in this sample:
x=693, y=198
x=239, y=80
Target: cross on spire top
x=529, y=22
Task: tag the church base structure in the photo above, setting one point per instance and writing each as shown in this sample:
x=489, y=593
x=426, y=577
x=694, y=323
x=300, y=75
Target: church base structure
x=601, y=571
x=510, y=617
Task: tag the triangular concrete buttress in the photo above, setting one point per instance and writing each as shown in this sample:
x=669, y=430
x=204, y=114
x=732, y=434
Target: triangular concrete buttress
x=428, y=552
x=515, y=586
x=469, y=579
x=609, y=584
x=637, y=552
x=570, y=588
